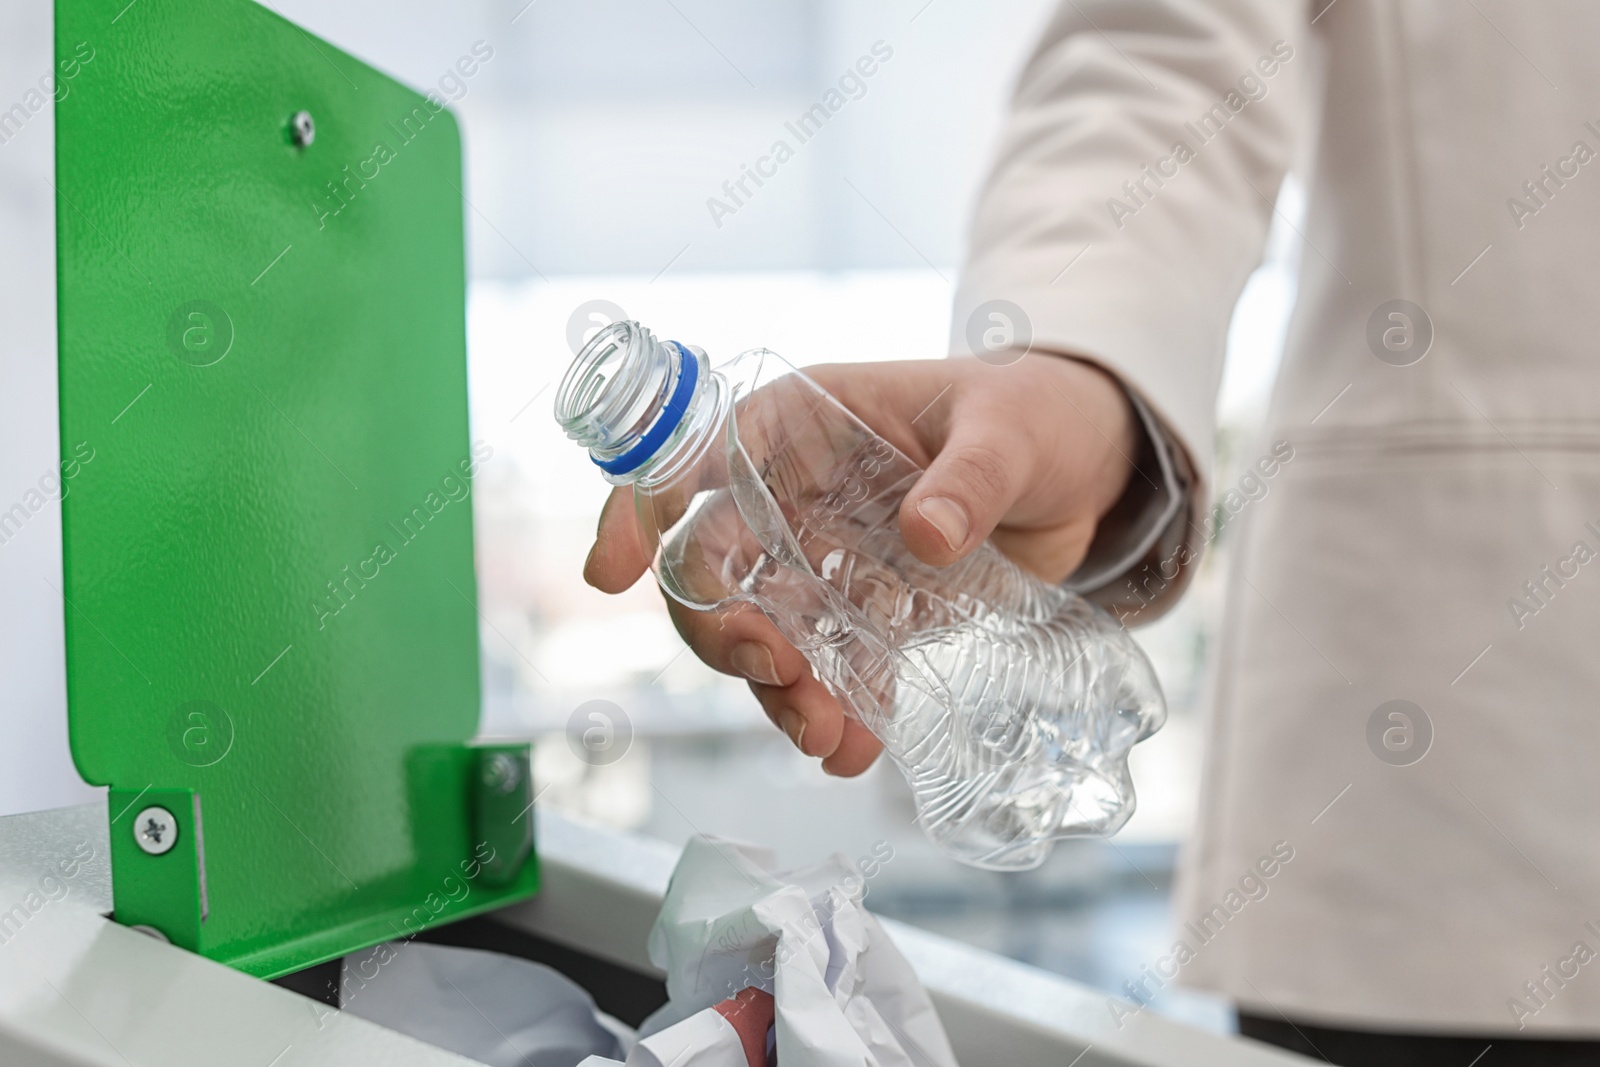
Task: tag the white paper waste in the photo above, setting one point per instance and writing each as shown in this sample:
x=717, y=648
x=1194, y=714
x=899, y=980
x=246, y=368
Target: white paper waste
x=843, y=992
x=497, y=1010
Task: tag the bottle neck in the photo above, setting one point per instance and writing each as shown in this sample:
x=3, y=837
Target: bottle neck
x=643, y=408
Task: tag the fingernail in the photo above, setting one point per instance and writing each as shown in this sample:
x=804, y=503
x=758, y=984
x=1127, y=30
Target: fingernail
x=794, y=725
x=754, y=662
x=949, y=518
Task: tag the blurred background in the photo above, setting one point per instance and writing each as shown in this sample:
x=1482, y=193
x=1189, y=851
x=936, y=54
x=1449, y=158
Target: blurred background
x=605, y=140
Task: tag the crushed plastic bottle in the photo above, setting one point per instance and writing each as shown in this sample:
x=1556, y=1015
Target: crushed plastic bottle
x=1009, y=704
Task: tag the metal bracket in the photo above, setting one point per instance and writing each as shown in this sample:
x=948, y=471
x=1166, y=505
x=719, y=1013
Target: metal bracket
x=502, y=811
x=158, y=852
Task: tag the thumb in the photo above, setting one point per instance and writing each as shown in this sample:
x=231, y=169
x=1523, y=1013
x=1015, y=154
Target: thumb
x=965, y=492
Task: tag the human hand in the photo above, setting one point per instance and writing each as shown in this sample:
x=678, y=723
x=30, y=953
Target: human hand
x=1030, y=456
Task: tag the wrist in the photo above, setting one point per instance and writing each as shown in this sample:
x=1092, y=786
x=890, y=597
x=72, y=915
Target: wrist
x=1114, y=435
x=1139, y=559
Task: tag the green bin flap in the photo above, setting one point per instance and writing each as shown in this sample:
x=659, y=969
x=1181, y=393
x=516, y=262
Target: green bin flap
x=270, y=605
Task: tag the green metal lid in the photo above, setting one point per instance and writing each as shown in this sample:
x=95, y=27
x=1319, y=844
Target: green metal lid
x=271, y=608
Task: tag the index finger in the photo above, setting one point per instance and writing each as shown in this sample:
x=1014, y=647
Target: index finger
x=618, y=557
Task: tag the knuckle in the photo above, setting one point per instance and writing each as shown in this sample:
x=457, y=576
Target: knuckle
x=983, y=471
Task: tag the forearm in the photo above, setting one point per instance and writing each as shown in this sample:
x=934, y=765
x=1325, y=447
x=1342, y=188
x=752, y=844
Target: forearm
x=1103, y=257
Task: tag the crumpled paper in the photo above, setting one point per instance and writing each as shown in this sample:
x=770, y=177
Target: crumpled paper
x=843, y=992
x=497, y=1010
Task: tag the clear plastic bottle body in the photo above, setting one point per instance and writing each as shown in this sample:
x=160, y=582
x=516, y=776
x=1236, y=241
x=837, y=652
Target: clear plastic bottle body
x=1009, y=704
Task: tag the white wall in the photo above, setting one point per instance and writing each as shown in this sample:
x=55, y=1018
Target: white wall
x=35, y=769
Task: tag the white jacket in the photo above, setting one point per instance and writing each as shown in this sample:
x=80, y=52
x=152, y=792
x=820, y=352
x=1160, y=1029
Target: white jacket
x=1429, y=540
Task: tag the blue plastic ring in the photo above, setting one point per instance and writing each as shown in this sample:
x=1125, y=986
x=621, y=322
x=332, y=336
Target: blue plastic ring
x=671, y=415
